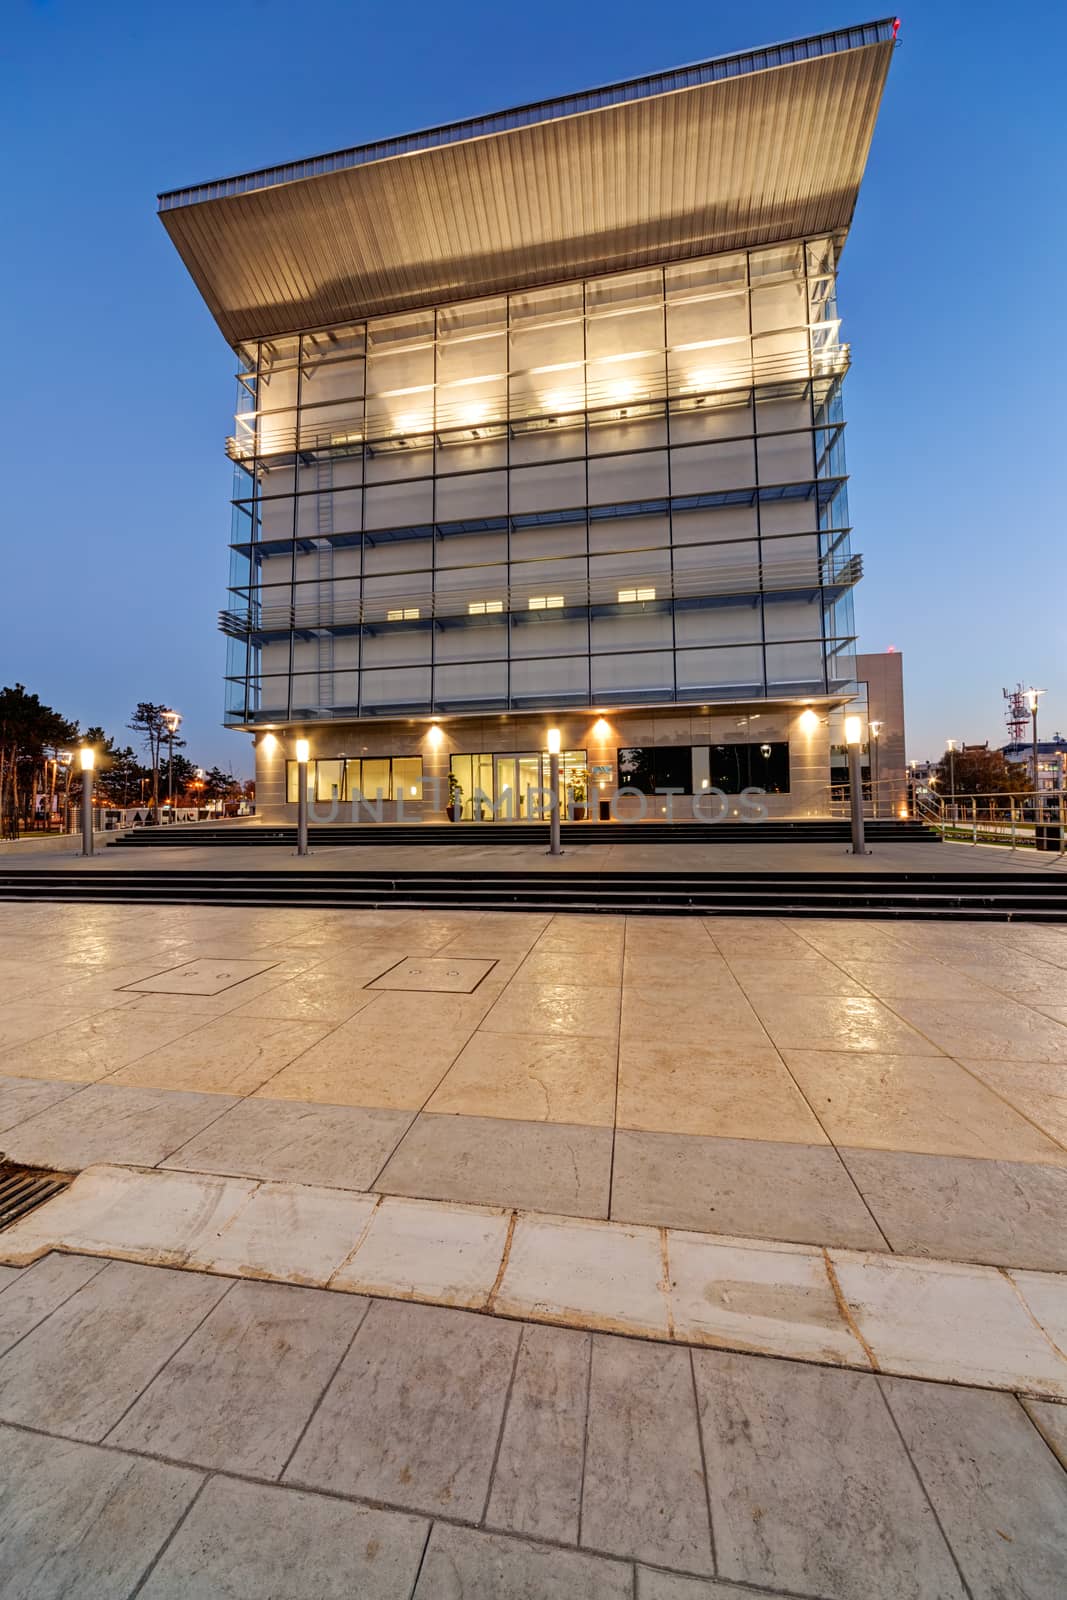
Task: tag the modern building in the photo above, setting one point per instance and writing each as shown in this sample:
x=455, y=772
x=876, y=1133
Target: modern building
x=540, y=424
x=1051, y=760
x=880, y=680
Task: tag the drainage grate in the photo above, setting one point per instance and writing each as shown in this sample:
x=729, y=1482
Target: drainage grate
x=23, y=1189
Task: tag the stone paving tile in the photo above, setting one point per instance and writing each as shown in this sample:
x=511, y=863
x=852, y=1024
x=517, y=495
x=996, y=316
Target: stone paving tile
x=228, y=1055
x=41, y=1288
x=109, y=1122
x=643, y=1496
x=997, y=1031
x=1051, y=1422
x=77, y=1372
x=669, y=1586
x=721, y=1089
x=79, y=1521
x=810, y=1488
x=490, y=1161
x=463, y=1565
x=913, y=978
x=413, y=1415
x=702, y=1013
x=26, y=1019
x=22, y=1098
x=528, y=1079
x=393, y=1053
x=343, y=1147
x=1006, y=1213
x=96, y=1046
x=245, y=1541
x=743, y=1187
x=840, y=1022
x=8, y=1276
x=592, y=967
x=922, y=1103
x=286, y=1231
x=1037, y=1089
x=1045, y=1294
x=537, y=1484
x=319, y=995
x=943, y=1320
x=423, y=1249
x=561, y=1010
x=974, y=1453
x=772, y=975
x=774, y=1302
x=239, y=1393
x=562, y=1269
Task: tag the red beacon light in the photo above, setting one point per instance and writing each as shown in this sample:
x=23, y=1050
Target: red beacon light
x=896, y=28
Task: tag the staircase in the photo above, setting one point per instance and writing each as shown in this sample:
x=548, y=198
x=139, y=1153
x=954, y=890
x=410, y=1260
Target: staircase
x=932, y=896
x=486, y=834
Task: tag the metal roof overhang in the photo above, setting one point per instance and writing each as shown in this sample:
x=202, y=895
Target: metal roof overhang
x=739, y=151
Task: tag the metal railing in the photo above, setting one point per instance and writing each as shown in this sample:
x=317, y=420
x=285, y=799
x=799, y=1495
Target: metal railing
x=1033, y=820
x=322, y=609
x=485, y=413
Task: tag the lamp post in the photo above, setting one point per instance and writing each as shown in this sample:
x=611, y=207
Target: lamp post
x=1031, y=700
x=875, y=729
x=951, y=746
x=553, y=784
x=853, y=737
x=303, y=750
x=173, y=720
x=88, y=762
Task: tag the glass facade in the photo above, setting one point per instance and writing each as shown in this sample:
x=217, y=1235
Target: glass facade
x=623, y=491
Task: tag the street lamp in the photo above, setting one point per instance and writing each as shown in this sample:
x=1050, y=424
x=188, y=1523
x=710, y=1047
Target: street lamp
x=875, y=729
x=950, y=745
x=88, y=762
x=173, y=720
x=553, y=784
x=303, y=751
x=1031, y=700
x=853, y=738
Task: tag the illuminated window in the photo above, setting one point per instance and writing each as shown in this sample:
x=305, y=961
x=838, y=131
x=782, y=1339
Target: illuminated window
x=408, y=614
x=480, y=608
x=626, y=595
x=546, y=602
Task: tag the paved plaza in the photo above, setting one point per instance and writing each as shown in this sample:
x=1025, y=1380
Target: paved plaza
x=564, y=1177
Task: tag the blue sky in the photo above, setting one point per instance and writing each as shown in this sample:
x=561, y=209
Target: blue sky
x=118, y=391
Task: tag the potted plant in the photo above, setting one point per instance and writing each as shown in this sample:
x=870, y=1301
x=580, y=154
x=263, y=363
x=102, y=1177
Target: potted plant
x=455, y=798
x=578, y=790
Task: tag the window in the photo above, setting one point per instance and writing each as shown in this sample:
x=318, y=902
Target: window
x=750, y=766
x=398, y=777
x=481, y=608
x=546, y=602
x=407, y=614
x=647, y=769
x=627, y=595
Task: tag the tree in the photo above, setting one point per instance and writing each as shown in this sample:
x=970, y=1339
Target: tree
x=151, y=722
x=28, y=732
x=184, y=774
x=978, y=770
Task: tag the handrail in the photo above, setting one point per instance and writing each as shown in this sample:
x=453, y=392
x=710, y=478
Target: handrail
x=429, y=416
x=324, y=609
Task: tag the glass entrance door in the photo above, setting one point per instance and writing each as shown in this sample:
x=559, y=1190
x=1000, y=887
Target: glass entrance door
x=514, y=775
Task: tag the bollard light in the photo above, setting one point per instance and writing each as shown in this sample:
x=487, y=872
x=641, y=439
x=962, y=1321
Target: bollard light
x=303, y=752
x=554, y=848
x=854, y=739
x=88, y=761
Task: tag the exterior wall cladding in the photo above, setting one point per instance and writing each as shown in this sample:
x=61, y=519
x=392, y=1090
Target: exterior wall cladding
x=615, y=506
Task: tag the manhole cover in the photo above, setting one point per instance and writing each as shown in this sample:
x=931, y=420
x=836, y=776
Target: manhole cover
x=207, y=976
x=436, y=974
x=23, y=1189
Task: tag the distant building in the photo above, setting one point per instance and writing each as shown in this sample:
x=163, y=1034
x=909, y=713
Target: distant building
x=1051, y=760
x=540, y=424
